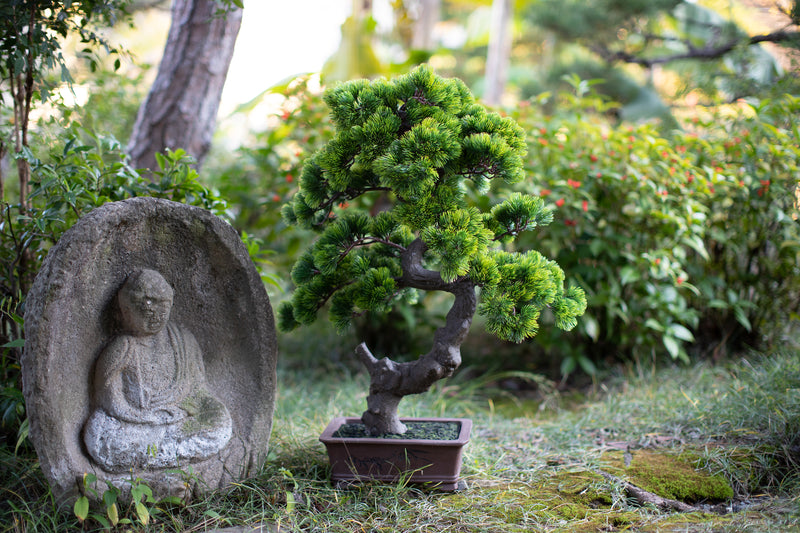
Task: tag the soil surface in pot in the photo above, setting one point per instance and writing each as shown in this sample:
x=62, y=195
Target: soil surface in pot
x=422, y=430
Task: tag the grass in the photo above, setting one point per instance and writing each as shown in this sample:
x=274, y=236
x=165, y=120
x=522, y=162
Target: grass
x=538, y=460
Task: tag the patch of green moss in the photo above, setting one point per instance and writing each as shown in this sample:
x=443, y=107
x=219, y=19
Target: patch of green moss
x=670, y=475
x=607, y=521
x=576, y=501
x=584, y=501
x=583, y=487
x=687, y=522
x=205, y=411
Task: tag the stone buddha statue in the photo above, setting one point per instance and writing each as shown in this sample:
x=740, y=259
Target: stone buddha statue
x=152, y=406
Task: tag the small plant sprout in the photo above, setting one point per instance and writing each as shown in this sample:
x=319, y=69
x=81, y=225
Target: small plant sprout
x=389, y=197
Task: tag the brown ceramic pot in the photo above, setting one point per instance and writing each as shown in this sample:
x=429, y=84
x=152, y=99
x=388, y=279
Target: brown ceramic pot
x=433, y=463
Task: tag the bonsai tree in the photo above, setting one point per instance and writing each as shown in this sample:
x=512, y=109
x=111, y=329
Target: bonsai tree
x=388, y=195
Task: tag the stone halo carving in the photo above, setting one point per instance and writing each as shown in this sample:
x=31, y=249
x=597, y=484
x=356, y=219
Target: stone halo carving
x=71, y=316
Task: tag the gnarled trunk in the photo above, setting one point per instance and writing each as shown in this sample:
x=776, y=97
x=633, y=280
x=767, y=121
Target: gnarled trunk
x=391, y=381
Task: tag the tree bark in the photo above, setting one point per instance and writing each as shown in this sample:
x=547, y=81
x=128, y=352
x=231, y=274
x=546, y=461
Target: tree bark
x=390, y=381
x=497, y=57
x=181, y=109
x=429, y=16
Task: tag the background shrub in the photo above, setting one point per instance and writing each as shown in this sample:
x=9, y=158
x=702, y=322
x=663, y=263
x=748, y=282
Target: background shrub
x=676, y=236
x=749, y=288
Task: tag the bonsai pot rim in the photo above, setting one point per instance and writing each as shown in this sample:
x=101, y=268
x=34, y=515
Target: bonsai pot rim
x=434, y=463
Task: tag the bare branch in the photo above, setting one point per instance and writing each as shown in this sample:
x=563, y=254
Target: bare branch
x=645, y=497
x=706, y=53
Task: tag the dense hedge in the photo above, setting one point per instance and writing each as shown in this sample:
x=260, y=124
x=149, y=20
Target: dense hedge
x=692, y=234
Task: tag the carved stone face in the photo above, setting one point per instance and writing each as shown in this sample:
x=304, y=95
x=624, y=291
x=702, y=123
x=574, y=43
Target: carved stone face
x=145, y=302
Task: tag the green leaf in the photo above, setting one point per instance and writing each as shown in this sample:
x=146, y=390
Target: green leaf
x=113, y=514
x=16, y=343
x=716, y=303
x=741, y=318
x=102, y=520
x=171, y=500
x=628, y=274
x=110, y=497
x=690, y=287
x=680, y=332
x=672, y=346
x=22, y=434
x=141, y=492
x=81, y=508
x=654, y=324
x=290, y=502
x=142, y=513
x=696, y=243
x=587, y=365
x=568, y=366
x=161, y=160
x=591, y=327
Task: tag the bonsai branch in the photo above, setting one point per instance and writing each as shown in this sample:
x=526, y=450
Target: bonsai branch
x=343, y=196
x=420, y=97
x=518, y=226
x=417, y=276
x=482, y=168
x=366, y=241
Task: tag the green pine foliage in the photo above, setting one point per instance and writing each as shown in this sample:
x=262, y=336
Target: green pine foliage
x=406, y=155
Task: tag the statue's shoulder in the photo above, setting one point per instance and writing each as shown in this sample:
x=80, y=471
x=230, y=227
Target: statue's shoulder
x=114, y=356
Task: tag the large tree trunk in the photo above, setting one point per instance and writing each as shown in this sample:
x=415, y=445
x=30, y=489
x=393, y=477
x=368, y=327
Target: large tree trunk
x=497, y=57
x=430, y=12
x=181, y=109
x=390, y=381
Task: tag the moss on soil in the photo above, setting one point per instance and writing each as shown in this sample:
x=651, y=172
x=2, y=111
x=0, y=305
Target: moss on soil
x=569, y=501
x=669, y=475
x=583, y=500
x=698, y=521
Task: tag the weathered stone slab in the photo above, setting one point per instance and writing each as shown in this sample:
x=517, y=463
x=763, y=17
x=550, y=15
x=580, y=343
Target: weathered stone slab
x=150, y=352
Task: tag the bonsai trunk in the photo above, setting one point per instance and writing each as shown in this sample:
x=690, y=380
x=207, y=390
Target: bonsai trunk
x=391, y=381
